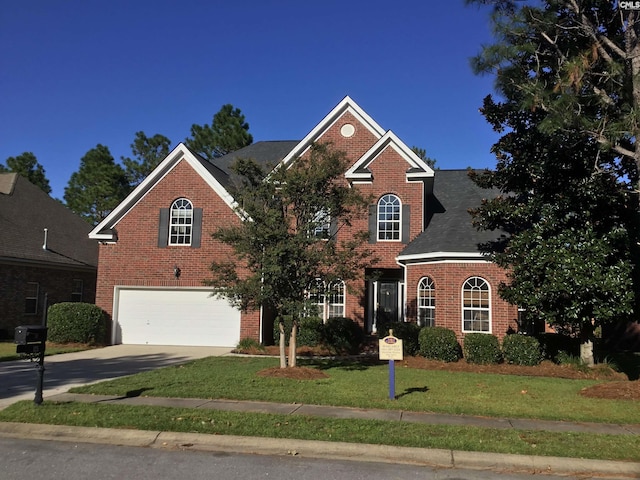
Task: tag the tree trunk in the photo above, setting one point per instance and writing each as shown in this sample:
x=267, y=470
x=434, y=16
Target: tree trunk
x=293, y=343
x=586, y=343
x=283, y=356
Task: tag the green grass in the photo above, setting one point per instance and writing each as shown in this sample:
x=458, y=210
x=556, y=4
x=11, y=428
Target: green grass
x=366, y=386
x=610, y=447
x=8, y=350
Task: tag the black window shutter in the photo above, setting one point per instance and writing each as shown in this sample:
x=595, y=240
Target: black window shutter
x=163, y=228
x=196, y=232
x=373, y=223
x=333, y=228
x=406, y=223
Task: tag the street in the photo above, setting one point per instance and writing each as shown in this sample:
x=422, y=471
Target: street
x=76, y=461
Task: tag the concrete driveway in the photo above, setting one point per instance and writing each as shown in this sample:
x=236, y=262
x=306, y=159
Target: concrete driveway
x=62, y=372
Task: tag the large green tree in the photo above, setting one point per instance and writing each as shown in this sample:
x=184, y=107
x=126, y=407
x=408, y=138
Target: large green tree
x=567, y=166
x=148, y=153
x=290, y=236
x=27, y=166
x=97, y=187
x=227, y=133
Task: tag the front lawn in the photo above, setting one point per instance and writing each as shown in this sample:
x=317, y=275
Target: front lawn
x=8, y=350
x=365, y=385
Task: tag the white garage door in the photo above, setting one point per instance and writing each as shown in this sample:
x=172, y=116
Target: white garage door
x=175, y=317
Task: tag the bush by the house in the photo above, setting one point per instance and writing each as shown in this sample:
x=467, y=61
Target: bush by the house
x=310, y=331
x=554, y=343
x=439, y=343
x=73, y=322
x=482, y=348
x=343, y=335
x=406, y=331
x=248, y=344
x=521, y=350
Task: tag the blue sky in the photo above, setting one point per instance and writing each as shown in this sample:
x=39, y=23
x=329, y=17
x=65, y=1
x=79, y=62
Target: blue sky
x=77, y=73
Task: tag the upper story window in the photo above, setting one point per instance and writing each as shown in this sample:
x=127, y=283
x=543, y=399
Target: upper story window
x=389, y=222
x=322, y=224
x=426, y=303
x=180, y=222
x=476, y=306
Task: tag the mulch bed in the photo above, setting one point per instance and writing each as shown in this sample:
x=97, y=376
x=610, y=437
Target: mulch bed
x=615, y=385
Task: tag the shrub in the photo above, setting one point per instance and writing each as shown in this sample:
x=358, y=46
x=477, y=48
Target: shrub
x=406, y=331
x=248, y=344
x=310, y=331
x=482, y=348
x=72, y=322
x=439, y=343
x=521, y=350
x=554, y=343
x=343, y=335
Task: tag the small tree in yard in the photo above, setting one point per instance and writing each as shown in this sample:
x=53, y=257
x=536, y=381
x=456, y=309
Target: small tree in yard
x=289, y=237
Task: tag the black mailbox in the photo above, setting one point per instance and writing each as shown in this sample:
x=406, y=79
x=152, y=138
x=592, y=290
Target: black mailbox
x=26, y=334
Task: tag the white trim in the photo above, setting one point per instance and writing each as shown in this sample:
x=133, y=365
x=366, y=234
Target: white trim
x=442, y=257
x=178, y=154
x=489, y=309
x=389, y=139
x=399, y=221
x=346, y=105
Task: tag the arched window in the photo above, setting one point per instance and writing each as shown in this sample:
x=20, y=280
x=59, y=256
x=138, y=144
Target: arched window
x=389, y=208
x=476, y=306
x=336, y=299
x=180, y=222
x=426, y=303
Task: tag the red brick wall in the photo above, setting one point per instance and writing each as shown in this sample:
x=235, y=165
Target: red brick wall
x=448, y=280
x=57, y=283
x=136, y=258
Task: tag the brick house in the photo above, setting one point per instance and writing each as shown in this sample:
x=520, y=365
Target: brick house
x=44, y=249
x=156, y=246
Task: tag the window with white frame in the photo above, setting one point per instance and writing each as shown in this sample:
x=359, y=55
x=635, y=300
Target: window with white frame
x=426, y=303
x=180, y=222
x=322, y=224
x=328, y=301
x=31, y=298
x=389, y=222
x=476, y=305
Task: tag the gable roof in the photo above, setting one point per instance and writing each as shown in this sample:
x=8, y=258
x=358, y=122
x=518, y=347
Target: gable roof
x=346, y=105
x=25, y=211
x=418, y=168
x=449, y=232
x=216, y=174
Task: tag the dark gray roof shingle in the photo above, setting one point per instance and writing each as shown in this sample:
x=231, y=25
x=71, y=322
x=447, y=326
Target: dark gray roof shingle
x=448, y=225
x=25, y=211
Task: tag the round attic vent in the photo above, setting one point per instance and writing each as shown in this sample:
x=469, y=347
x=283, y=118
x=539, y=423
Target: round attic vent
x=347, y=130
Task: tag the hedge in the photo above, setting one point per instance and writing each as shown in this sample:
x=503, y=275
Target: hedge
x=73, y=322
x=521, y=350
x=482, y=348
x=439, y=343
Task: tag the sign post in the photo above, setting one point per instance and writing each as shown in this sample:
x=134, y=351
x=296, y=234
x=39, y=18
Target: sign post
x=390, y=348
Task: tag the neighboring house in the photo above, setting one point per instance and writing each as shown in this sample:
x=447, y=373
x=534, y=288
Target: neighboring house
x=44, y=250
x=156, y=246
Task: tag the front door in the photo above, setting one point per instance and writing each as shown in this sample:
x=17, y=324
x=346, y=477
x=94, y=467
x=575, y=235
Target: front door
x=387, y=311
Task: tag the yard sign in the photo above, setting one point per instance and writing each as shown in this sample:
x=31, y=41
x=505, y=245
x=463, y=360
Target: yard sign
x=390, y=348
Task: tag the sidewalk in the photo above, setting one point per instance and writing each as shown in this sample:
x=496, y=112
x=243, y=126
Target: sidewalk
x=348, y=451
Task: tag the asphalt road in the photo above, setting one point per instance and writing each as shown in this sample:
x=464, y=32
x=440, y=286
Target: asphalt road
x=78, y=461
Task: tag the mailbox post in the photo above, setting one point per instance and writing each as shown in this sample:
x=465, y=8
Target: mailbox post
x=31, y=341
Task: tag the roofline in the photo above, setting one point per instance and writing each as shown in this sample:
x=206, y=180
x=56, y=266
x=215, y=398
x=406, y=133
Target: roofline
x=449, y=257
x=102, y=231
x=391, y=139
x=346, y=105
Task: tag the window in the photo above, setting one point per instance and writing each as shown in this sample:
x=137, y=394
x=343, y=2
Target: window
x=336, y=300
x=476, y=306
x=180, y=222
x=76, y=293
x=31, y=298
x=329, y=302
x=426, y=303
x=389, y=218
x=322, y=224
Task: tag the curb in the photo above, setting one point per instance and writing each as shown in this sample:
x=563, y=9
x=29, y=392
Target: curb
x=438, y=458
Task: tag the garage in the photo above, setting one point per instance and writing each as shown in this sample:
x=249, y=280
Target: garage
x=179, y=316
